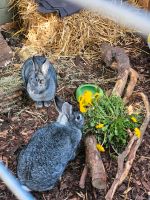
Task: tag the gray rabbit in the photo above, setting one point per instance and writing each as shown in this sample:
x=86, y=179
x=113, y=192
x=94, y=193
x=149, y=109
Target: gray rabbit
x=42, y=162
x=40, y=80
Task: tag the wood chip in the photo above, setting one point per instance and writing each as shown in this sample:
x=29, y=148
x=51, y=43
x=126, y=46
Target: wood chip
x=3, y=134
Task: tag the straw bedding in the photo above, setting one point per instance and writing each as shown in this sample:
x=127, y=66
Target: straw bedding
x=81, y=33
x=10, y=89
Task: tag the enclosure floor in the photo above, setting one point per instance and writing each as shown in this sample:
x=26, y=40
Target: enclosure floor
x=17, y=127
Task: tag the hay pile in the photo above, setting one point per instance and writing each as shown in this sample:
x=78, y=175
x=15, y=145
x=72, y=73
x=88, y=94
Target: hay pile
x=138, y=3
x=81, y=33
x=10, y=90
x=134, y=2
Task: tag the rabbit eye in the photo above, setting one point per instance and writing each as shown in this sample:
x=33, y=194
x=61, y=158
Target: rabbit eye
x=78, y=117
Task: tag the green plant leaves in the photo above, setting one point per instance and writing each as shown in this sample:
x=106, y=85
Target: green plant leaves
x=111, y=112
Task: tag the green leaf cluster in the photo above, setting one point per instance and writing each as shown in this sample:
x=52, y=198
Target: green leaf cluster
x=110, y=111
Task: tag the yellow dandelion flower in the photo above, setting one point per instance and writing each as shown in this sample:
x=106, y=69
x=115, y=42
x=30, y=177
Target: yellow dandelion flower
x=137, y=132
x=85, y=100
x=134, y=119
x=82, y=108
x=81, y=100
x=87, y=97
x=99, y=125
x=100, y=148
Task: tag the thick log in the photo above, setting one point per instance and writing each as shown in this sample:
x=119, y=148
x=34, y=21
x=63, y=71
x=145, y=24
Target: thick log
x=125, y=160
x=94, y=163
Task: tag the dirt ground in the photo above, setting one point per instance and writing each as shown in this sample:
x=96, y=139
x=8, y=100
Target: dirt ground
x=17, y=126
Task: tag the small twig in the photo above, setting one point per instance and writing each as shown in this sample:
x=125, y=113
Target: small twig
x=144, y=157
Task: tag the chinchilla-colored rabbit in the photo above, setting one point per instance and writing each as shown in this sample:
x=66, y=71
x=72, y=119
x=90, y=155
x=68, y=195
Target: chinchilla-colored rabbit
x=40, y=80
x=42, y=162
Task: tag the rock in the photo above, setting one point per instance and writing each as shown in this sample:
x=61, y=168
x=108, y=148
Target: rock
x=6, y=53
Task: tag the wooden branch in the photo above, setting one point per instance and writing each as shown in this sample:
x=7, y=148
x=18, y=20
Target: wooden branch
x=147, y=117
x=83, y=177
x=123, y=65
x=129, y=153
x=130, y=88
x=94, y=163
x=120, y=84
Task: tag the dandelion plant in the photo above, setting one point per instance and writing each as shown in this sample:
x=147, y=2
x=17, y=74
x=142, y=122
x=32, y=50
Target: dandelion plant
x=107, y=118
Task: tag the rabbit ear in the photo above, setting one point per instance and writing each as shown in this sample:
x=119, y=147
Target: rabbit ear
x=45, y=67
x=63, y=107
x=67, y=109
x=35, y=65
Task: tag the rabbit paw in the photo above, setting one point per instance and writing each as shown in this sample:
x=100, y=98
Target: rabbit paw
x=47, y=103
x=39, y=104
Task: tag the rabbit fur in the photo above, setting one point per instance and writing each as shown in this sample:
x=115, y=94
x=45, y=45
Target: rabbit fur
x=40, y=80
x=42, y=162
